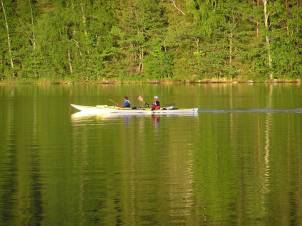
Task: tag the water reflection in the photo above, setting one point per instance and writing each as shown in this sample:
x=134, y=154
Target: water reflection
x=209, y=169
x=103, y=116
x=155, y=120
x=84, y=118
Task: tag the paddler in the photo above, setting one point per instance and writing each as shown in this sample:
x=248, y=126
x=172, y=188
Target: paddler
x=156, y=104
x=126, y=102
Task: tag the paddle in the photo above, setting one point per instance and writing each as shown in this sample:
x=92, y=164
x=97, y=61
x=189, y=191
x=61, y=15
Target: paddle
x=115, y=104
x=170, y=106
x=141, y=99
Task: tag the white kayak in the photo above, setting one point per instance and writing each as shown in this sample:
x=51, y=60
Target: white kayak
x=105, y=109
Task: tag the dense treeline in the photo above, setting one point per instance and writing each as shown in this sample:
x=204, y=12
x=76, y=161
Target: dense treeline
x=151, y=39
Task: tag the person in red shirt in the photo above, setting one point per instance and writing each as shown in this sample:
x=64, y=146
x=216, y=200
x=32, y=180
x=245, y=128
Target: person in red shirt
x=156, y=104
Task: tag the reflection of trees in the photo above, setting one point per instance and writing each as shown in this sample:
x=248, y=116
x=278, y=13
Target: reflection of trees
x=148, y=173
x=267, y=145
x=22, y=123
x=216, y=168
x=8, y=161
x=179, y=174
x=242, y=167
x=35, y=174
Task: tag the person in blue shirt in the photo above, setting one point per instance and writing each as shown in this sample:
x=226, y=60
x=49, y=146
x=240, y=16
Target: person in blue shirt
x=126, y=103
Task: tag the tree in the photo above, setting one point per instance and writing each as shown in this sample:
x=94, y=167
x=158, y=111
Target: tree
x=8, y=37
x=189, y=40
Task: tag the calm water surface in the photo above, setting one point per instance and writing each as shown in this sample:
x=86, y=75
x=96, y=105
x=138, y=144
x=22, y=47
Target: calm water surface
x=239, y=162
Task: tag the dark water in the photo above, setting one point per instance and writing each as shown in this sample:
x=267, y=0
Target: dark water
x=239, y=162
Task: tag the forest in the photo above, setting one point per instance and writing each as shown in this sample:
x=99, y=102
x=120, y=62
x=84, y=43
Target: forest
x=151, y=39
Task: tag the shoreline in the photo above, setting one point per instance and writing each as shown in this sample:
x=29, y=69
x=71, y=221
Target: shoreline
x=147, y=82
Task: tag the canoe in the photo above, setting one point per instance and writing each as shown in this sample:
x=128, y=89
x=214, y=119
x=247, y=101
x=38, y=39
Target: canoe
x=105, y=109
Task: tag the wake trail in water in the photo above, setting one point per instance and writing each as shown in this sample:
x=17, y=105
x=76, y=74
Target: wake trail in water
x=253, y=110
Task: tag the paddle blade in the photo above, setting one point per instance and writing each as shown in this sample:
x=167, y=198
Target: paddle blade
x=140, y=98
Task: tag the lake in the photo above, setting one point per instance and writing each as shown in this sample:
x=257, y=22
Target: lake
x=238, y=162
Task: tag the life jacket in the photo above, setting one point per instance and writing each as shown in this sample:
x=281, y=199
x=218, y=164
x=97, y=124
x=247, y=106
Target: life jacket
x=155, y=105
x=126, y=104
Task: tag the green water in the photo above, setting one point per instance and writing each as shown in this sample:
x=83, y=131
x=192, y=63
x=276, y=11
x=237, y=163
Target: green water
x=239, y=162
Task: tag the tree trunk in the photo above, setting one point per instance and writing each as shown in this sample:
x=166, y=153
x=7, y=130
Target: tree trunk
x=232, y=26
x=197, y=44
x=257, y=22
x=286, y=9
x=32, y=24
x=165, y=47
x=175, y=6
x=141, y=58
x=8, y=37
x=230, y=48
x=69, y=62
x=83, y=19
x=269, y=56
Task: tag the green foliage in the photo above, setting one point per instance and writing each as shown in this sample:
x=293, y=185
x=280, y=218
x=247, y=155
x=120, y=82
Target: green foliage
x=192, y=39
x=158, y=64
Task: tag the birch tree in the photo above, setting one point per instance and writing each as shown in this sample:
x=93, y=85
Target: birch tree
x=32, y=24
x=267, y=38
x=179, y=39
x=8, y=37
